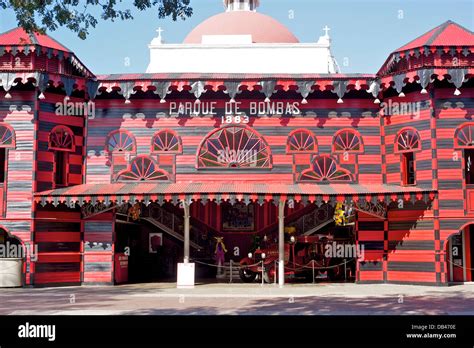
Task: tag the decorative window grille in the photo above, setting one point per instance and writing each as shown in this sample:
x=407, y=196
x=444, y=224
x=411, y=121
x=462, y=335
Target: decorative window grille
x=347, y=140
x=234, y=147
x=143, y=168
x=166, y=141
x=121, y=141
x=301, y=141
x=61, y=138
x=325, y=169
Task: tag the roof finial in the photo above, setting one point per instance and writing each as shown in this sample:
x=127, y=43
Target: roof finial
x=326, y=31
x=159, y=31
x=158, y=40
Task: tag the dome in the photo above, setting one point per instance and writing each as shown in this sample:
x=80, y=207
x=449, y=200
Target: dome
x=263, y=28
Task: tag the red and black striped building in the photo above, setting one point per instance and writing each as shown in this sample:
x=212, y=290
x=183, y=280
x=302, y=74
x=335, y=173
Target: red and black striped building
x=78, y=151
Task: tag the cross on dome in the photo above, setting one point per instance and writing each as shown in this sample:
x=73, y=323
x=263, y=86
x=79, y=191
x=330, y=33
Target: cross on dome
x=241, y=5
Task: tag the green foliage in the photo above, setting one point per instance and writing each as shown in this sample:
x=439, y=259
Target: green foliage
x=80, y=16
x=256, y=241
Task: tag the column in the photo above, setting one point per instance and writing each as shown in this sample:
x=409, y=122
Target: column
x=281, y=243
x=186, y=232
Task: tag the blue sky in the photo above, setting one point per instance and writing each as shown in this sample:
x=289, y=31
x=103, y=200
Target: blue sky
x=363, y=32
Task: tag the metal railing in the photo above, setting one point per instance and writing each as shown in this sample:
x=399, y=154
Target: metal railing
x=311, y=221
x=313, y=265
x=175, y=223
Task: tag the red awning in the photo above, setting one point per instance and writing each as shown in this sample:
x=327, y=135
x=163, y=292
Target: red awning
x=239, y=191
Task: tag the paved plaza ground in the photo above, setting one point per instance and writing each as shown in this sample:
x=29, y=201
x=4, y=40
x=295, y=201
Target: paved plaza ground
x=240, y=299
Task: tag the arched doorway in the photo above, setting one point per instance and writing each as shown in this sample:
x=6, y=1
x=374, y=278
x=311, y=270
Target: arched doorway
x=12, y=255
x=459, y=255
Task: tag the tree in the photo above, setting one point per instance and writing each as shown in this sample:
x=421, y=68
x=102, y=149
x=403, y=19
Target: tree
x=81, y=15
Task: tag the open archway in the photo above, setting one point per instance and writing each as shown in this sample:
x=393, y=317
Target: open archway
x=459, y=249
x=12, y=257
x=7, y=239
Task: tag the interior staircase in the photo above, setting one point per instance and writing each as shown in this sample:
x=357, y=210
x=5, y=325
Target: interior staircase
x=171, y=232
x=169, y=223
x=314, y=221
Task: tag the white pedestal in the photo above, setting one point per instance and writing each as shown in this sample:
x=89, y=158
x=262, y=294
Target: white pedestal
x=10, y=273
x=186, y=273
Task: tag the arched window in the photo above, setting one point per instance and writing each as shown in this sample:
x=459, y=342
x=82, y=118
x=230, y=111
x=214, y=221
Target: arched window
x=143, y=168
x=166, y=141
x=464, y=136
x=7, y=141
x=464, y=139
x=61, y=140
x=408, y=140
x=301, y=141
x=7, y=136
x=120, y=141
x=325, y=169
x=234, y=147
x=347, y=140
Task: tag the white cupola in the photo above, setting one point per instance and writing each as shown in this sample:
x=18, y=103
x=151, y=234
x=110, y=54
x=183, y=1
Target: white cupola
x=241, y=40
x=241, y=5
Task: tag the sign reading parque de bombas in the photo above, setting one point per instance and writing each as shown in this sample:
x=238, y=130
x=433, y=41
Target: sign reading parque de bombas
x=215, y=108
x=194, y=108
x=234, y=109
x=219, y=108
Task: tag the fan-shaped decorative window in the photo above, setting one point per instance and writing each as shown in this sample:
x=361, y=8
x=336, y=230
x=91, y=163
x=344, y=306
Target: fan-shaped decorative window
x=61, y=138
x=301, y=141
x=408, y=140
x=234, y=147
x=121, y=141
x=143, y=168
x=166, y=141
x=464, y=136
x=325, y=169
x=7, y=136
x=347, y=140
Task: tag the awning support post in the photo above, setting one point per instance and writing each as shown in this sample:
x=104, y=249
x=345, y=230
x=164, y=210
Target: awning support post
x=186, y=231
x=281, y=243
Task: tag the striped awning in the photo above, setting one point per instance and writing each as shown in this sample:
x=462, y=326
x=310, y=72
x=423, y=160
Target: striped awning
x=162, y=84
x=121, y=193
x=285, y=82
